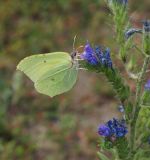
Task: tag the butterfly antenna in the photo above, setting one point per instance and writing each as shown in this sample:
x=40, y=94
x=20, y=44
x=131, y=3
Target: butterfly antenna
x=74, y=40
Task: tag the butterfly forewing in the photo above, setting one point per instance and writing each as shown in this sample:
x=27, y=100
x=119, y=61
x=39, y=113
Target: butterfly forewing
x=36, y=66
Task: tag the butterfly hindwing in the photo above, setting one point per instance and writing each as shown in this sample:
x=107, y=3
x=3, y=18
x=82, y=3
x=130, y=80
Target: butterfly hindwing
x=58, y=83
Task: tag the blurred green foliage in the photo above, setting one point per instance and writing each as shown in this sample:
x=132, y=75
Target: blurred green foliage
x=142, y=135
x=33, y=126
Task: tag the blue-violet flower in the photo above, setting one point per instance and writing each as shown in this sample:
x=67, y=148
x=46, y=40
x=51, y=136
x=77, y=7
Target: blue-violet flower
x=121, y=108
x=89, y=55
x=131, y=32
x=147, y=85
x=104, y=130
x=114, y=127
x=122, y=2
x=146, y=25
x=95, y=56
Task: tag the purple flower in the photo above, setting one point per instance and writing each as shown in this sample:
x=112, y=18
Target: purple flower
x=122, y=2
x=121, y=108
x=121, y=131
x=146, y=25
x=118, y=127
x=89, y=55
x=114, y=127
x=147, y=85
x=97, y=56
x=131, y=32
x=108, y=58
x=103, y=130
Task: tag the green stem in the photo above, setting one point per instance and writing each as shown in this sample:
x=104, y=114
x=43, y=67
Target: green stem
x=137, y=104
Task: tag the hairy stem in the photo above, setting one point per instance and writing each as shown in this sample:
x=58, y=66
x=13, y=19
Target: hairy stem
x=137, y=103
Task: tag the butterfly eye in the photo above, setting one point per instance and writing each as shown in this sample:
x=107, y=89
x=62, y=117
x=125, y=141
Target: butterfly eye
x=73, y=54
x=77, y=51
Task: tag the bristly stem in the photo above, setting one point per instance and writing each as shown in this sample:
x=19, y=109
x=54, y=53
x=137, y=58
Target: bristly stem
x=137, y=103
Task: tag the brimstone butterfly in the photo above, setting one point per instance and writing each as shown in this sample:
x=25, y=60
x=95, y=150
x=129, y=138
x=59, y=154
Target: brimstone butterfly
x=52, y=73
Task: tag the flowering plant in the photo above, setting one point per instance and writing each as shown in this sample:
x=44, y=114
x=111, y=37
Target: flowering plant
x=127, y=138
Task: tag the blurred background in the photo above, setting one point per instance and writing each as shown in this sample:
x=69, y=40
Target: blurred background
x=34, y=126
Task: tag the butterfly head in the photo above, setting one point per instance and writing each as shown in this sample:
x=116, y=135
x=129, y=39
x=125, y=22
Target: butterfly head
x=76, y=51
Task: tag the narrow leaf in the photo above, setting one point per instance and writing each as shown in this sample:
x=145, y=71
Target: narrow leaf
x=102, y=156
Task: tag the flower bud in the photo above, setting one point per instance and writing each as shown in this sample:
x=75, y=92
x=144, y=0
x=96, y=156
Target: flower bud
x=146, y=37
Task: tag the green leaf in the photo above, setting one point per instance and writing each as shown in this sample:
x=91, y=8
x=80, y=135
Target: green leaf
x=142, y=155
x=102, y=156
x=146, y=98
x=122, y=147
x=128, y=111
x=143, y=126
x=146, y=42
x=52, y=73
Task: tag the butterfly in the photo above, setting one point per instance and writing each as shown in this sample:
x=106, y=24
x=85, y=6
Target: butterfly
x=52, y=73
